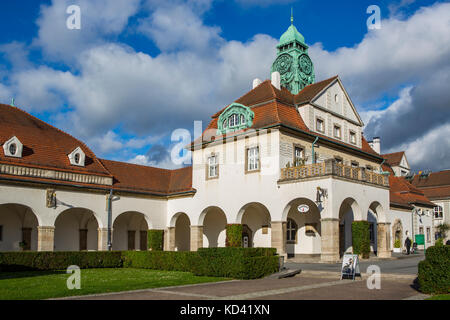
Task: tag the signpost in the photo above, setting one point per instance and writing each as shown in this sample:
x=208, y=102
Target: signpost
x=350, y=267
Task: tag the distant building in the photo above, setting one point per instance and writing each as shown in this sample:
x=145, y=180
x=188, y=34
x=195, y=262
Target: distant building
x=398, y=162
x=436, y=186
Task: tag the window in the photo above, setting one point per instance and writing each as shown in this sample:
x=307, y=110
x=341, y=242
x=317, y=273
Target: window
x=299, y=159
x=336, y=98
x=355, y=164
x=372, y=232
x=13, y=148
x=253, y=159
x=339, y=160
x=213, y=171
x=291, y=231
x=337, y=132
x=1, y=233
x=77, y=158
x=352, y=137
x=438, y=212
x=428, y=234
x=225, y=122
x=369, y=168
x=420, y=230
x=233, y=120
x=320, y=125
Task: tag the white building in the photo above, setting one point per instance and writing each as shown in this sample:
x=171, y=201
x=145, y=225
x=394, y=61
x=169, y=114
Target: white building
x=287, y=160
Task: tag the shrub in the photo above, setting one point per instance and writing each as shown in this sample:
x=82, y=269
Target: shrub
x=155, y=240
x=23, y=261
x=238, y=263
x=397, y=244
x=434, y=271
x=160, y=260
x=234, y=235
x=361, y=238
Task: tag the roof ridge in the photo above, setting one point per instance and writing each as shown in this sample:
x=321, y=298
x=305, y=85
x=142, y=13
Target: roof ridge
x=137, y=165
x=58, y=130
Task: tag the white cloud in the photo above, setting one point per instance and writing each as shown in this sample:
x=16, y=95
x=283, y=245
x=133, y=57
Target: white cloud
x=99, y=19
x=402, y=51
x=263, y=3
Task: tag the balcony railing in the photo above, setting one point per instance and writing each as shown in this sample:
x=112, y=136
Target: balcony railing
x=332, y=168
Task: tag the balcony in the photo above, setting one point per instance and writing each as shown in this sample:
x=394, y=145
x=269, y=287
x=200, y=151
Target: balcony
x=332, y=168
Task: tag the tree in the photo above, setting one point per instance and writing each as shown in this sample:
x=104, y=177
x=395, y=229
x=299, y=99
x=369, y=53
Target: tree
x=442, y=230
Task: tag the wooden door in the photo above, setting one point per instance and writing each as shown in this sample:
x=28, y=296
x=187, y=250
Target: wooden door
x=83, y=239
x=131, y=240
x=143, y=241
x=26, y=238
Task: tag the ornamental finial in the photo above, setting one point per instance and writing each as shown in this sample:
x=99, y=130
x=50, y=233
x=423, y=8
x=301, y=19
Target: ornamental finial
x=12, y=102
x=292, y=15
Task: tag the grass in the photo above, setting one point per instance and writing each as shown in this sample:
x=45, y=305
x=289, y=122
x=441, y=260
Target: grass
x=42, y=285
x=440, y=297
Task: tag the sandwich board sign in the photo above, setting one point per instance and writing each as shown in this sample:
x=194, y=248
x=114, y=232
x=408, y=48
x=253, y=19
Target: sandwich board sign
x=350, y=267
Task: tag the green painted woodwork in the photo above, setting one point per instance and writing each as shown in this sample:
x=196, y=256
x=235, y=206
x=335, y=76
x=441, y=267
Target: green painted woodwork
x=293, y=62
x=235, y=117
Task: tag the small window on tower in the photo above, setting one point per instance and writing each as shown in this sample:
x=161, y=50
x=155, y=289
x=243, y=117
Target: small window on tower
x=13, y=148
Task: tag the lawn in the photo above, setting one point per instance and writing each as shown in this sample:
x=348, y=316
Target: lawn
x=43, y=285
x=440, y=297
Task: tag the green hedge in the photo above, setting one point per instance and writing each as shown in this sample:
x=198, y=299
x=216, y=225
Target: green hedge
x=160, y=260
x=361, y=238
x=238, y=263
x=434, y=271
x=155, y=240
x=234, y=235
x=23, y=261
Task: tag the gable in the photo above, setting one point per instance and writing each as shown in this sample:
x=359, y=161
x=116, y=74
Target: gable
x=334, y=98
x=404, y=163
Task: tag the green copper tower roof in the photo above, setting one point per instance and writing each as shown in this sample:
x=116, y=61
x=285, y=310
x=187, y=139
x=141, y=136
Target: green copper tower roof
x=291, y=35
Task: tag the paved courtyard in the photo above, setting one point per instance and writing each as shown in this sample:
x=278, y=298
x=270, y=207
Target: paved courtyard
x=316, y=282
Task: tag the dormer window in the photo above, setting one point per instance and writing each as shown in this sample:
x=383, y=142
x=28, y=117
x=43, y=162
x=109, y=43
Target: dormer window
x=13, y=148
x=352, y=137
x=77, y=157
x=235, y=117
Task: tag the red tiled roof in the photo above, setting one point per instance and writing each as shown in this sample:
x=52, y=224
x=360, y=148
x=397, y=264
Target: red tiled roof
x=395, y=158
x=405, y=194
x=311, y=91
x=435, y=186
x=135, y=177
x=44, y=146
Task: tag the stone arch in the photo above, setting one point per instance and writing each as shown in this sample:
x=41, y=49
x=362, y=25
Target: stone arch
x=214, y=222
x=256, y=219
x=182, y=224
x=378, y=210
x=76, y=229
x=130, y=231
x=307, y=239
x=349, y=211
x=19, y=227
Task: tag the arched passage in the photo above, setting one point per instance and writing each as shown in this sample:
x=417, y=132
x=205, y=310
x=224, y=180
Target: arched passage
x=303, y=229
x=18, y=225
x=182, y=225
x=256, y=222
x=214, y=222
x=76, y=229
x=397, y=232
x=349, y=211
x=130, y=231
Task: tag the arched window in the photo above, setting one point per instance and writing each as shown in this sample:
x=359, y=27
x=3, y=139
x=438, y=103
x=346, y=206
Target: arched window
x=233, y=120
x=291, y=231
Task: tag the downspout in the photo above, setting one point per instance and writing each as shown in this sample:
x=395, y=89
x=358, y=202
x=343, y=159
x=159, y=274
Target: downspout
x=110, y=219
x=313, y=153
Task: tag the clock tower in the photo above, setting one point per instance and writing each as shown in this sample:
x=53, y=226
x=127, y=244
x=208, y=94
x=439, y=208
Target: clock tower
x=293, y=62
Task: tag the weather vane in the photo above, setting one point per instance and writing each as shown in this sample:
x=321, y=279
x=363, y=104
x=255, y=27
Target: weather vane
x=292, y=15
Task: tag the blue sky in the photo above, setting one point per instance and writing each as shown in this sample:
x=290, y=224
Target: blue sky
x=138, y=69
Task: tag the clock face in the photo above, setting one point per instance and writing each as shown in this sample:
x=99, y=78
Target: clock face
x=283, y=63
x=305, y=64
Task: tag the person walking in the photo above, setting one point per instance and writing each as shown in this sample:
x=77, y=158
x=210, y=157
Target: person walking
x=408, y=245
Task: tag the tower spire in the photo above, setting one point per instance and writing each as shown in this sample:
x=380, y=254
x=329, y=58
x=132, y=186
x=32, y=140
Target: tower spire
x=292, y=15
